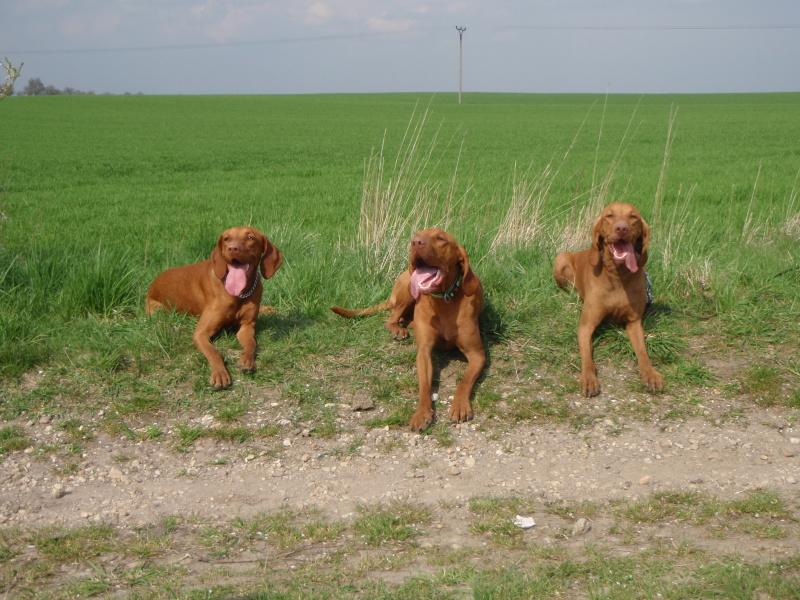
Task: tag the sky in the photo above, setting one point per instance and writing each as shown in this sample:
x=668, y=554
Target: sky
x=332, y=46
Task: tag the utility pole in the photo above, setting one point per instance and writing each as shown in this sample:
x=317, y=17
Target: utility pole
x=461, y=30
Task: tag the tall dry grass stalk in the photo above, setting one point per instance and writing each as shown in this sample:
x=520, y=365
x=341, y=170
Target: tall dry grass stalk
x=401, y=198
x=580, y=216
x=524, y=223
x=791, y=221
x=752, y=231
x=662, y=174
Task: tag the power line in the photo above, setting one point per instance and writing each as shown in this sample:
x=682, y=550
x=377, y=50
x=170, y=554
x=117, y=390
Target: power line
x=765, y=27
x=368, y=35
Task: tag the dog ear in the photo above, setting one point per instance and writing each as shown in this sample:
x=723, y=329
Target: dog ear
x=469, y=282
x=218, y=263
x=597, y=242
x=271, y=260
x=642, y=244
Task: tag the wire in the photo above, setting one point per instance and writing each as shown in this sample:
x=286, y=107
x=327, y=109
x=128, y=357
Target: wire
x=365, y=35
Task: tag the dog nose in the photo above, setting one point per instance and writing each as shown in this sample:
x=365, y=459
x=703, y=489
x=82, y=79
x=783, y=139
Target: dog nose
x=621, y=228
x=233, y=247
x=418, y=241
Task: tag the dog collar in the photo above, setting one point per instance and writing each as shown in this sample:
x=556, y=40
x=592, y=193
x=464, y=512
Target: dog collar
x=450, y=293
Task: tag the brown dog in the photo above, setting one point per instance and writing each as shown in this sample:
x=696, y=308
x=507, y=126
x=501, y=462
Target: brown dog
x=223, y=290
x=610, y=280
x=444, y=297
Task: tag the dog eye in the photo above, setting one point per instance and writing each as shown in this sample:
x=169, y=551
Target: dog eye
x=251, y=237
x=440, y=238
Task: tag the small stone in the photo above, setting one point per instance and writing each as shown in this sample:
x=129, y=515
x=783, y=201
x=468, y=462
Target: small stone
x=469, y=462
x=249, y=457
x=287, y=442
x=306, y=457
x=362, y=401
x=697, y=480
x=764, y=457
x=794, y=440
x=581, y=527
x=45, y=419
x=791, y=480
x=789, y=452
x=645, y=480
x=58, y=491
x=305, y=433
x=453, y=471
x=115, y=473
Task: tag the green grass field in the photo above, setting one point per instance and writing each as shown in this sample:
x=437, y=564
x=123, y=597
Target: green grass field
x=99, y=194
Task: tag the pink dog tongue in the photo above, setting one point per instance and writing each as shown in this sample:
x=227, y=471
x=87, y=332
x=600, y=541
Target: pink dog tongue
x=623, y=252
x=236, y=279
x=424, y=279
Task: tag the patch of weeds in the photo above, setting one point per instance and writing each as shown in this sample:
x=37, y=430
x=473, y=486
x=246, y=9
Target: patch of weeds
x=229, y=434
x=152, y=432
x=86, y=587
x=587, y=509
x=170, y=524
x=442, y=432
x=116, y=426
x=395, y=522
x=76, y=431
x=389, y=445
x=759, y=502
x=494, y=516
x=231, y=411
x=691, y=507
x=217, y=540
x=508, y=584
x=683, y=408
x=6, y=552
x=755, y=514
x=12, y=438
x=188, y=435
x=74, y=544
x=763, y=383
x=268, y=430
x=690, y=373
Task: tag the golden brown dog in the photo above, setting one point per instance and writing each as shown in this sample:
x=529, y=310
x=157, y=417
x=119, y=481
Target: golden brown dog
x=444, y=297
x=223, y=290
x=610, y=280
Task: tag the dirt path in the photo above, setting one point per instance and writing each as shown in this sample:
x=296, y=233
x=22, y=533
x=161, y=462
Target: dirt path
x=135, y=483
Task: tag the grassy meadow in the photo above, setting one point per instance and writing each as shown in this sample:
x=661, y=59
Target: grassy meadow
x=99, y=194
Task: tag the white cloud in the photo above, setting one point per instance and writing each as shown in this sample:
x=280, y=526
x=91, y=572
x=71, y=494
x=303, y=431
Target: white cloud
x=381, y=25
x=318, y=12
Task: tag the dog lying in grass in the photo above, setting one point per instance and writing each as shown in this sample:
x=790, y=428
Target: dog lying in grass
x=223, y=290
x=443, y=297
x=610, y=279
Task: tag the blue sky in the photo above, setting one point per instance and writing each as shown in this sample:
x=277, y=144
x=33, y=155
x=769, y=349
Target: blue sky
x=306, y=46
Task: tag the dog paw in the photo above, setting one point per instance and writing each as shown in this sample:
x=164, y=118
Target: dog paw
x=421, y=419
x=653, y=380
x=398, y=331
x=247, y=365
x=590, y=386
x=220, y=379
x=460, y=411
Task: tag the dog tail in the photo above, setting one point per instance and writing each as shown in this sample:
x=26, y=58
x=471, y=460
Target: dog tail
x=362, y=312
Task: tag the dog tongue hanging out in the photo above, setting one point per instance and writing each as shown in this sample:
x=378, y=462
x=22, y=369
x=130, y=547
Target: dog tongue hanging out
x=425, y=280
x=236, y=278
x=623, y=253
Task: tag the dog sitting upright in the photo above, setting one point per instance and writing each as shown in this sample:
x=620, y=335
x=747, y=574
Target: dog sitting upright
x=443, y=297
x=223, y=290
x=610, y=279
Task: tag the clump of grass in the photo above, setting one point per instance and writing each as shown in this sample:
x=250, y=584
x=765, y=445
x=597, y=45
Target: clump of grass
x=401, y=199
x=494, y=517
x=12, y=438
x=396, y=522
